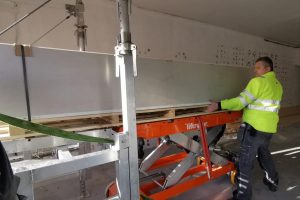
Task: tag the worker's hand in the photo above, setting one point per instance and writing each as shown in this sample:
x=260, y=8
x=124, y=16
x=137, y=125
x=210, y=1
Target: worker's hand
x=212, y=107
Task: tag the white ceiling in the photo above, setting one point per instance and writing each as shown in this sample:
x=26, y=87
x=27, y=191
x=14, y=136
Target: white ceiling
x=277, y=20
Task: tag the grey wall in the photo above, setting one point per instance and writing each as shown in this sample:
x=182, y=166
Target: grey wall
x=158, y=36
x=63, y=83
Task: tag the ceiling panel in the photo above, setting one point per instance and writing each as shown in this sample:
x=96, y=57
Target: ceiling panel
x=277, y=20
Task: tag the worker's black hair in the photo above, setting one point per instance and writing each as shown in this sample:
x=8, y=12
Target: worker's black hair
x=266, y=61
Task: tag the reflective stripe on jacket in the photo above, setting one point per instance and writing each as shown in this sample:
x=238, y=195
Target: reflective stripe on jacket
x=261, y=102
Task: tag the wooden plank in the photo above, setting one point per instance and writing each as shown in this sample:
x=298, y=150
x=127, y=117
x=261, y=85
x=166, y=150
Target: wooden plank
x=16, y=137
x=170, y=113
x=3, y=124
x=115, y=119
x=189, y=110
x=4, y=129
x=110, y=120
x=13, y=131
x=77, y=117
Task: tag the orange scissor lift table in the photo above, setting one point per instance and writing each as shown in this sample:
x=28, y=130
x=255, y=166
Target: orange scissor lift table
x=186, y=175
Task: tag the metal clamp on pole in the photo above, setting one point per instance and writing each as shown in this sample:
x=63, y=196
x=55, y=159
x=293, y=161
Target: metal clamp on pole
x=123, y=49
x=121, y=141
x=77, y=11
x=125, y=46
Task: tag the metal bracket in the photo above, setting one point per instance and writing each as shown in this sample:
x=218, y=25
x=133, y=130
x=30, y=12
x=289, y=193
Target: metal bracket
x=27, y=50
x=121, y=141
x=64, y=154
x=75, y=9
x=124, y=49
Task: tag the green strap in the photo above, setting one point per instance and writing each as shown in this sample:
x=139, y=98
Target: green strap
x=51, y=131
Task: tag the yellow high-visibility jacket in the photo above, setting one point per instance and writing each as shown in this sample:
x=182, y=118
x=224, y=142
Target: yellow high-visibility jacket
x=261, y=102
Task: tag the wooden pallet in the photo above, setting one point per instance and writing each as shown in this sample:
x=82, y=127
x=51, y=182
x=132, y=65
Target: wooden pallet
x=106, y=120
x=110, y=120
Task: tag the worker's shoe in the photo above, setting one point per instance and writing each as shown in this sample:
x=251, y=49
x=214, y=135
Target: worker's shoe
x=273, y=186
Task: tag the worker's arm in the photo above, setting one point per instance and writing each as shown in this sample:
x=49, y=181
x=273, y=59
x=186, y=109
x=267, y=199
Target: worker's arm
x=246, y=97
x=238, y=103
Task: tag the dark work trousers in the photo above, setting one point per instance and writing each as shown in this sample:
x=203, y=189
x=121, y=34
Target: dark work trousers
x=8, y=182
x=253, y=143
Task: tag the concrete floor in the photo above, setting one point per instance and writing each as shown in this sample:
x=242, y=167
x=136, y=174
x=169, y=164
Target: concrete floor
x=67, y=187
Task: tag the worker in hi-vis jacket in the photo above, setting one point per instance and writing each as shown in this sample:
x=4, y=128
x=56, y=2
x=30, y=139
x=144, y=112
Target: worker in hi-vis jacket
x=260, y=102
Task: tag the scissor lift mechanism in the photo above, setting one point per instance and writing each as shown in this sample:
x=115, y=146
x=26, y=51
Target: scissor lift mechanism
x=211, y=165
